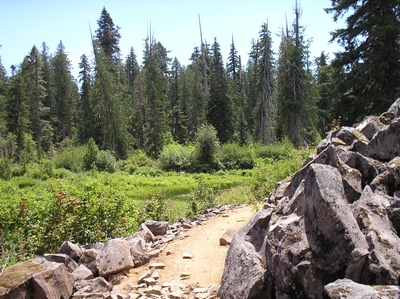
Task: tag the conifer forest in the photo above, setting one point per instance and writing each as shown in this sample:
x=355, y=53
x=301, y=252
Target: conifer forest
x=124, y=106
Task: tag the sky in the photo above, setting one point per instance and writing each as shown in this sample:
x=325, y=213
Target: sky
x=174, y=23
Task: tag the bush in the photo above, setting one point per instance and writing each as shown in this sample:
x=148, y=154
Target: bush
x=105, y=161
x=202, y=198
x=5, y=169
x=175, y=157
x=207, y=148
x=70, y=158
x=235, y=156
x=281, y=150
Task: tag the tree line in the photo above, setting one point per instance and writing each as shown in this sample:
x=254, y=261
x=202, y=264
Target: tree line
x=124, y=106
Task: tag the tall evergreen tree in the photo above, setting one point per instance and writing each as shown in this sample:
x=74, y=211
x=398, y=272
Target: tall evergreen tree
x=233, y=68
x=36, y=90
x=266, y=114
x=17, y=108
x=87, y=126
x=108, y=37
x=219, y=113
x=66, y=94
x=109, y=107
x=293, y=95
x=3, y=96
x=156, y=81
x=177, y=118
x=370, y=62
x=196, y=101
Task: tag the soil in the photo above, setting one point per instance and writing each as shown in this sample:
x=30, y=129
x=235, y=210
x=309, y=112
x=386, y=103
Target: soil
x=202, y=243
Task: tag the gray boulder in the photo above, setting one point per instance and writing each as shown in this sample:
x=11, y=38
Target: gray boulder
x=70, y=249
x=36, y=279
x=383, y=263
x=346, y=288
x=115, y=257
x=244, y=272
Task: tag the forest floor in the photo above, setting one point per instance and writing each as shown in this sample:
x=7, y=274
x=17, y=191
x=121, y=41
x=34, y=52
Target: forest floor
x=202, y=243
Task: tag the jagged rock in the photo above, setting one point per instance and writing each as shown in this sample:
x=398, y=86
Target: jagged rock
x=243, y=275
x=393, y=111
x=115, y=257
x=36, y=279
x=370, y=126
x=63, y=259
x=144, y=233
x=72, y=250
x=158, y=228
x=385, y=145
x=88, y=258
x=82, y=273
x=227, y=237
x=319, y=242
x=137, y=247
x=346, y=288
x=93, y=288
x=383, y=265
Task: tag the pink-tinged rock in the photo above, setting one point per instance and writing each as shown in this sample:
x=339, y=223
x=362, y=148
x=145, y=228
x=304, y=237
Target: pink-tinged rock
x=54, y=282
x=115, y=257
x=72, y=250
x=82, y=273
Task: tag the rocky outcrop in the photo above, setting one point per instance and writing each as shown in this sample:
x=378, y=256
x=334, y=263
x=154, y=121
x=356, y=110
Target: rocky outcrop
x=96, y=270
x=332, y=229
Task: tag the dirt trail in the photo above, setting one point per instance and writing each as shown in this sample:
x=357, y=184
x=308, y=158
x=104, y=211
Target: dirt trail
x=202, y=242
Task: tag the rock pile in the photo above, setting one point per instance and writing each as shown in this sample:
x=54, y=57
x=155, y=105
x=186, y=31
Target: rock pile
x=331, y=230
x=96, y=270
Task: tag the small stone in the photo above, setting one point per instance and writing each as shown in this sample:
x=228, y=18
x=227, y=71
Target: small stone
x=176, y=295
x=150, y=281
x=170, y=252
x=155, y=275
x=188, y=256
x=185, y=275
x=240, y=220
x=157, y=265
x=200, y=290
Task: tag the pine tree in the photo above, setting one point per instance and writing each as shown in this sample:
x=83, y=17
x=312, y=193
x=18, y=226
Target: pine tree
x=17, y=108
x=266, y=113
x=196, y=100
x=177, y=119
x=293, y=94
x=233, y=68
x=108, y=37
x=219, y=113
x=66, y=94
x=88, y=125
x=156, y=84
x=108, y=104
x=3, y=96
x=369, y=66
x=36, y=92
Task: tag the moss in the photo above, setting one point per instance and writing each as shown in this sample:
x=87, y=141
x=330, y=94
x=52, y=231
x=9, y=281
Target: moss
x=18, y=274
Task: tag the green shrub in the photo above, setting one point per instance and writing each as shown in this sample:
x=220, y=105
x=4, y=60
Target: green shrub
x=89, y=159
x=176, y=157
x=70, y=158
x=280, y=150
x=202, y=198
x=235, y=156
x=105, y=161
x=41, y=171
x=207, y=148
x=5, y=169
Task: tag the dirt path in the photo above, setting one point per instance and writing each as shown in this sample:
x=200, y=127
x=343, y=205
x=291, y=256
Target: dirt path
x=202, y=242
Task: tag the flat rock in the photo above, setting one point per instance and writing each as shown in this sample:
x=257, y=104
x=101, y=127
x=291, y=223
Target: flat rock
x=115, y=257
x=227, y=237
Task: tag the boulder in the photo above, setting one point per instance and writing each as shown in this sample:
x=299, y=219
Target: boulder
x=346, y=288
x=385, y=145
x=115, y=257
x=72, y=250
x=137, y=247
x=318, y=242
x=244, y=272
x=88, y=258
x=383, y=263
x=227, y=237
x=158, y=228
x=62, y=258
x=82, y=273
x=36, y=279
x=92, y=288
